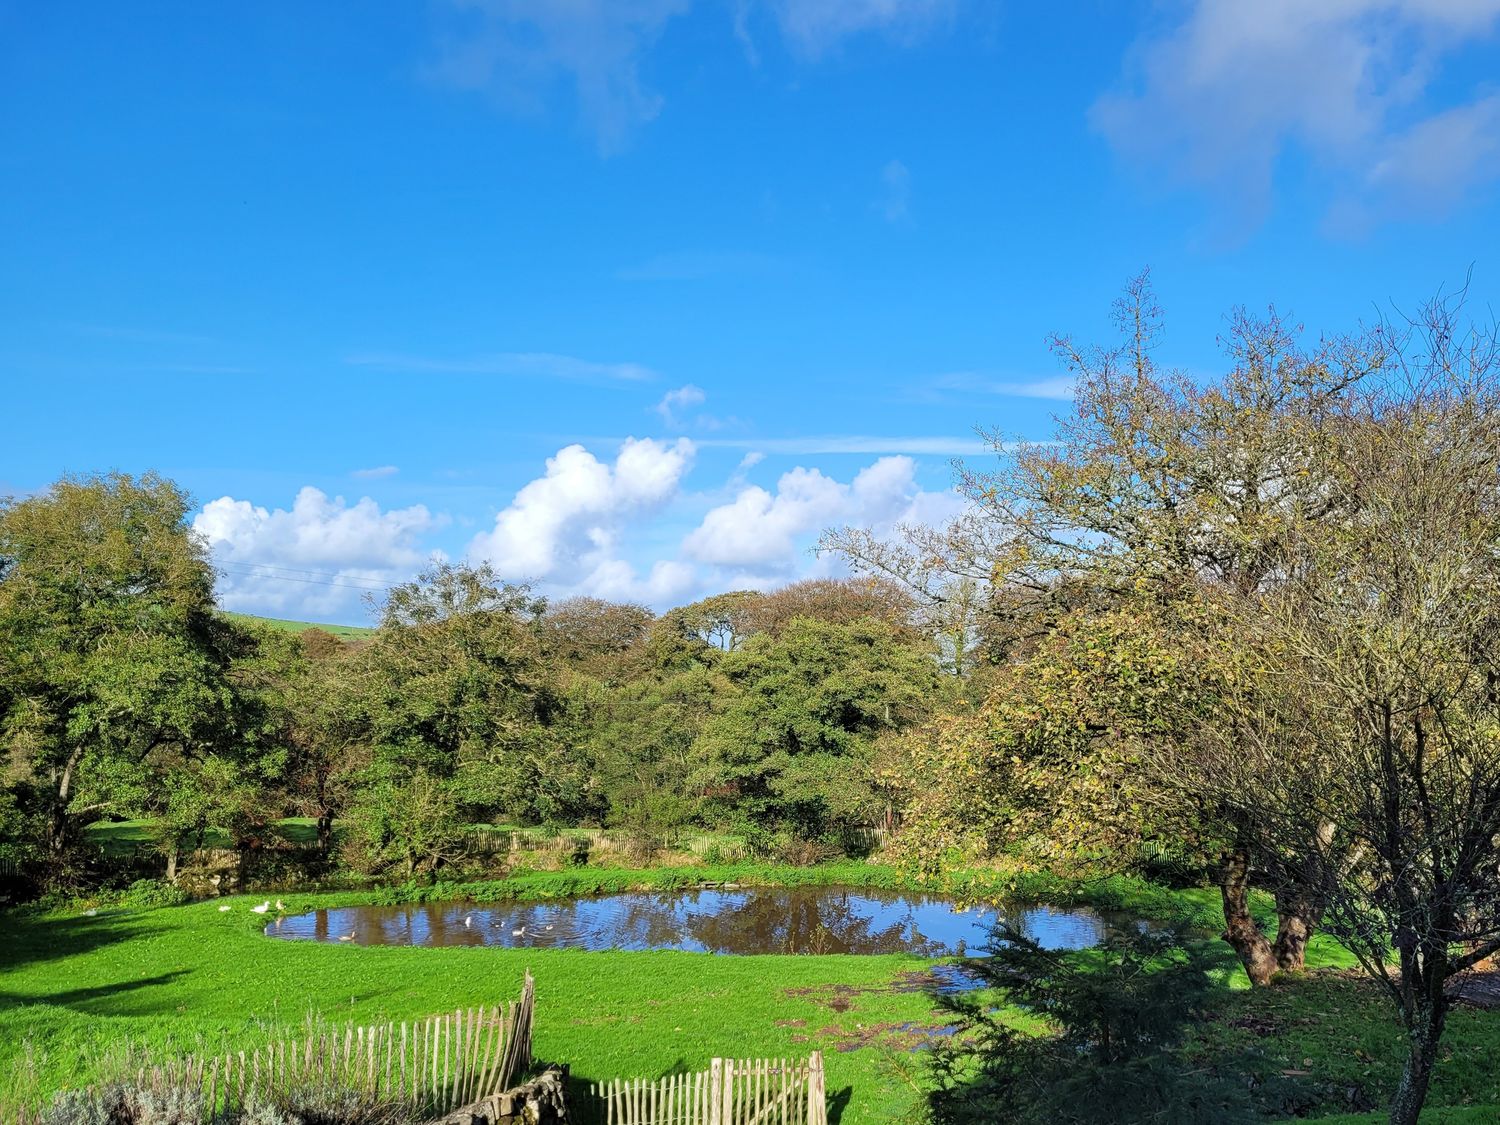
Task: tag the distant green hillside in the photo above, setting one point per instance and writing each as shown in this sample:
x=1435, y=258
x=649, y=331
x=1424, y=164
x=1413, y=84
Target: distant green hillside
x=344, y=631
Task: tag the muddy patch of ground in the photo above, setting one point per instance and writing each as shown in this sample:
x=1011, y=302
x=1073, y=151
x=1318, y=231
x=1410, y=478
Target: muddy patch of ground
x=908, y=1035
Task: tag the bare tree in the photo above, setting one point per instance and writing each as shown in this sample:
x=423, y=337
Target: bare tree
x=1367, y=743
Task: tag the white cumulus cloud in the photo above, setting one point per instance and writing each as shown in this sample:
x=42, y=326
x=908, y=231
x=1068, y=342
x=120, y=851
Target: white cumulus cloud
x=314, y=560
x=766, y=534
x=564, y=529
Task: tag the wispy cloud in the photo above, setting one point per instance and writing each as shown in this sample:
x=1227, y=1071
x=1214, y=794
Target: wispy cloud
x=814, y=28
x=857, y=444
x=953, y=383
x=674, y=402
x=518, y=51
x=537, y=365
x=894, y=203
x=376, y=473
x=1222, y=94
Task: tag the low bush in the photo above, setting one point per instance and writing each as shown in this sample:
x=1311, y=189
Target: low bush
x=119, y=1103
x=125, y=1103
x=154, y=892
x=797, y=852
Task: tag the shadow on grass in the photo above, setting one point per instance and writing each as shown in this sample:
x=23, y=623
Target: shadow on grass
x=838, y=1101
x=82, y=998
x=30, y=939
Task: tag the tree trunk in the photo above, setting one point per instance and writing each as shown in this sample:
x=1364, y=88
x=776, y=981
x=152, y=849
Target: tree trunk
x=59, y=823
x=325, y=832
x=1426, y=1031
x=1240, y=930
x=172, y=854
x=1297, y=917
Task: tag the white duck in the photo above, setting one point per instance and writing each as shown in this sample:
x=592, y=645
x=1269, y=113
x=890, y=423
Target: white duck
x=223, y=909
x=262, y=908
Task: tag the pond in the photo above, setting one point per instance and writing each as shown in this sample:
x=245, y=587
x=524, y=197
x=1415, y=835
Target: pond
x=725, y=920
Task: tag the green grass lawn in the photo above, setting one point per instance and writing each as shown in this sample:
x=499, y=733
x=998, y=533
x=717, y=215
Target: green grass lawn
x=343, y=632
x=71, y=986
x=1330, y=1042
x=120, y=836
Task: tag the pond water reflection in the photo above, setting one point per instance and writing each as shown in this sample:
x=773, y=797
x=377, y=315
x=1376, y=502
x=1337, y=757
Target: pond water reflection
x=745, y=920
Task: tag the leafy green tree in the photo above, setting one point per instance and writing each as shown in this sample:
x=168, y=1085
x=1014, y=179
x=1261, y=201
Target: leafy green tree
x=461, y=702
x=110, y=648
x=409, y=819
x=1158, y=490
x=699, y=633
x=329, y=696
x=792, y=746
x=838, y=601
x=1049, y=764
x=595, y=638
x=641, y=739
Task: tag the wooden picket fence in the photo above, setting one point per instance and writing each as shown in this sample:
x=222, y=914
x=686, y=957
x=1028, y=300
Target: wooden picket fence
x=729, y=1092
x=434, y=1065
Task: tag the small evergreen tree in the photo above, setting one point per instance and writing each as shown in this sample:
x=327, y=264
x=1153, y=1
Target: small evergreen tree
x=1112, y=1019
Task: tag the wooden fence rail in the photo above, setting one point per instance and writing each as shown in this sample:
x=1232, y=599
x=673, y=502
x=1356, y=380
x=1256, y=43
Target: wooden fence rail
x=435, y=1065
x=729, y=1092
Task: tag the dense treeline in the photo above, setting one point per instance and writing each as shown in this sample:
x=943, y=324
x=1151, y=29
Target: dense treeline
x=126, y=694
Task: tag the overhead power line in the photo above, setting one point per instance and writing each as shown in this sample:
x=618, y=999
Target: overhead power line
x=310, y=577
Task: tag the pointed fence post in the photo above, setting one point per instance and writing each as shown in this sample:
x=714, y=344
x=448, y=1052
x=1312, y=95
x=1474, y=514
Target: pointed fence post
x=716, y=1092
x=817, y=1097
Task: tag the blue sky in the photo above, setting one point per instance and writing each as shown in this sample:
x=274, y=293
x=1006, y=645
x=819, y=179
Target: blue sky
x=633, y=297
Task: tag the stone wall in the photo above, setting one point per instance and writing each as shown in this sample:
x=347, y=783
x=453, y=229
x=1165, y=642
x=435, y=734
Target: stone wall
x=210, y=871
x=542, y=1101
